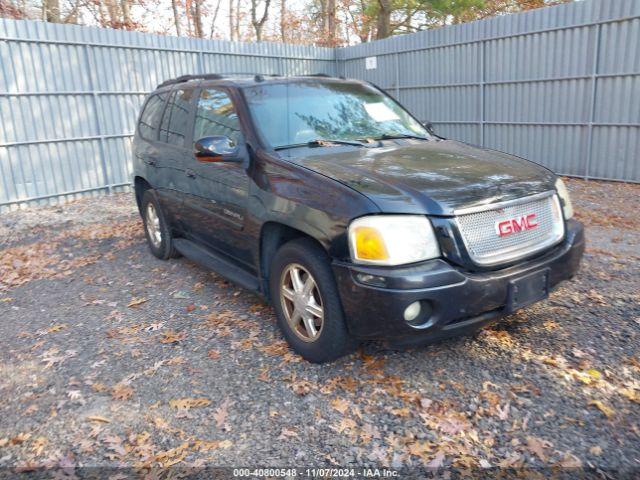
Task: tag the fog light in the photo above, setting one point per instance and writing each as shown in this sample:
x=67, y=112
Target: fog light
x=412, y=311
x=371, y=279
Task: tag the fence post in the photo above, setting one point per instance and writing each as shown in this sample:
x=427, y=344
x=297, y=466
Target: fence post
x=397, y=55
x=592, y=101
x=100, y=133
x=201, y=60
x=482, y=88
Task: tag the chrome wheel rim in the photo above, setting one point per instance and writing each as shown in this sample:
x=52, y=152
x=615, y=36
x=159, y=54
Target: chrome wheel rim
x=301, y=302
x=153, y=225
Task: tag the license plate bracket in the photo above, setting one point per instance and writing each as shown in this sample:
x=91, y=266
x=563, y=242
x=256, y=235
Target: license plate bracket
x=526, y=290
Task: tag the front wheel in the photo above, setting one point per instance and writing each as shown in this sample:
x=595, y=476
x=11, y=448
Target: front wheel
x=307, y=304
x=156, y=228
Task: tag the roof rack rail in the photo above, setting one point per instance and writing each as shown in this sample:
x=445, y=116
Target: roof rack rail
x=215, y=76
x=324, y=75
x=186, y=78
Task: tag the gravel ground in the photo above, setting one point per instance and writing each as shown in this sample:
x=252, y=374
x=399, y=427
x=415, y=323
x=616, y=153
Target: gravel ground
x=111, y=357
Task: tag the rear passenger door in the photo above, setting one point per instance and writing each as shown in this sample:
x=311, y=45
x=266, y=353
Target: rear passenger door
x=175, y=140
x=219, y=201
x=148, y=149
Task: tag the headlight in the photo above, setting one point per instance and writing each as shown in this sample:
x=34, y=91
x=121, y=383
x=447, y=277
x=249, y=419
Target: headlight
x=392, y=239
x=563, y=193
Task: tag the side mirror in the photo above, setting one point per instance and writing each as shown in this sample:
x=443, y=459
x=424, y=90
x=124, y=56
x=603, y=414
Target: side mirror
x=216, y=149
x=429, y=126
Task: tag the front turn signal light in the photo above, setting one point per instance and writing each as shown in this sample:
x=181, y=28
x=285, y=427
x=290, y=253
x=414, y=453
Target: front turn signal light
x=369, y=244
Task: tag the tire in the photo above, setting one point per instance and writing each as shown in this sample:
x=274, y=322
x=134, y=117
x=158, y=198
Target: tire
x=332, y=339
x=161, y=247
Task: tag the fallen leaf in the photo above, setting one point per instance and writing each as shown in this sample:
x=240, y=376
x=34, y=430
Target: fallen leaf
x=187, y=403
x=594, y=373
x=213, y=354
x=301, y=387
x=171, y=337
x=121, y=391
x=136, y=302
x=345, y=424
x=608, y=411
x=569, y=461
x=154, y=327
x=595, y=450
x=340, y=404
x=422, y=449
x=57, y=328
x=503, y=412
x=74, y=394
x=96, y=418
x=39, y=445
x=221, y=413
x=264, y=375
x=20, y=438
x=438, y=461
x=633, y=395
x=287, y=433
x=537, y=446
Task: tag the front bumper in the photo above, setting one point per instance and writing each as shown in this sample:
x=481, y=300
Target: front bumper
x=460, y=301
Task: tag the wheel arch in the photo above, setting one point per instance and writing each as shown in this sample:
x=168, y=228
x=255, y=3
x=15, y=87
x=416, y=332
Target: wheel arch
x=274, y=235
x=140, y=185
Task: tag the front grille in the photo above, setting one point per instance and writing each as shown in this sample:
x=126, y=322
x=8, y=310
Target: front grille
x=478, y=228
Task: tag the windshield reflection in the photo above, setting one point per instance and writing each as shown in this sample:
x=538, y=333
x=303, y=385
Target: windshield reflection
x=295, y=113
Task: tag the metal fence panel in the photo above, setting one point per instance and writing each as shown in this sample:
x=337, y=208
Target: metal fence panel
x=560, y=86
x=70, y=96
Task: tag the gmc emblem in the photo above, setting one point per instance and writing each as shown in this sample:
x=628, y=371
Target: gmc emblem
x=518, y=224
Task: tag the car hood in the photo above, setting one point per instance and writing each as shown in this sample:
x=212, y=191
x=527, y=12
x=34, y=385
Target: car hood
x=435, y=177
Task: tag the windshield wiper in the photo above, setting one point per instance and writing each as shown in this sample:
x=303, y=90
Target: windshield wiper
x=393, y=136
x=322, y=143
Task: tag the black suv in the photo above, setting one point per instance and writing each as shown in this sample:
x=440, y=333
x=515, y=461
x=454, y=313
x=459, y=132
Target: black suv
x=330, y=199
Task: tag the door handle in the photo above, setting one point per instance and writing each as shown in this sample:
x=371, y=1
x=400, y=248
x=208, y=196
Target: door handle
x=190, y=173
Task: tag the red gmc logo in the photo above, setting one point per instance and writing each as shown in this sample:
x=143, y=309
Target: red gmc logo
x=518, y=224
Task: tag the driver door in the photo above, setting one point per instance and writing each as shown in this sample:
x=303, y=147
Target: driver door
x=219, y=196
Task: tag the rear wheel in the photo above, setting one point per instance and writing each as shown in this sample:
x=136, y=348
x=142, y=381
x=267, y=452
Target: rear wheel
x=307, y=303
x=156, y=228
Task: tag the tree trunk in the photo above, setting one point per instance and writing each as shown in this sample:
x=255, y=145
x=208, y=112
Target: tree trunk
x=383, y=24
x=236, y=25
x=215, y=17
x=176, y=17
x=259, y=21
x=283, y=20
x=331, y=22
x=197, y=18
x=126, y=14
x=51, y=10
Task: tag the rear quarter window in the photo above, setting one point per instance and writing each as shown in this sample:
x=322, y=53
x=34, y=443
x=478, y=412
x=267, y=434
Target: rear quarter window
x=175, y=122
x=150, y=117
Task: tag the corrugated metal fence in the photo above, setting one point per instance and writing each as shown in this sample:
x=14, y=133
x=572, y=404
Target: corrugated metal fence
x=560, y=86
x=70, y=96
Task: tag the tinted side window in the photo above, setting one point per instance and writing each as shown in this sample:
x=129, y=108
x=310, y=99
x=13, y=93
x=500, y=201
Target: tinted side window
x=151, y=116
x=175, y=121
x=216, y=116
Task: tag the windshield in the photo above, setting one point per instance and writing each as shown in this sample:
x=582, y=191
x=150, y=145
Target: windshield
x=297, y=113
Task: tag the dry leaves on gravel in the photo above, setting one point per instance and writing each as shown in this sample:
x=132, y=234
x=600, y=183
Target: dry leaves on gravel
x=187, y=403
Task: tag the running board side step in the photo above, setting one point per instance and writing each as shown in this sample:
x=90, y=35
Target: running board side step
x=210, y=260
